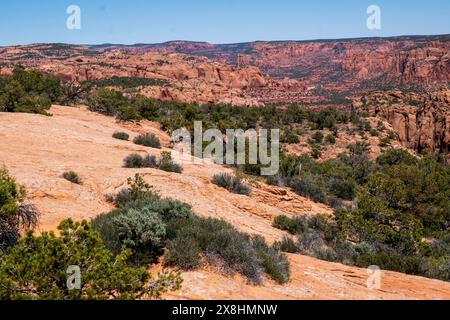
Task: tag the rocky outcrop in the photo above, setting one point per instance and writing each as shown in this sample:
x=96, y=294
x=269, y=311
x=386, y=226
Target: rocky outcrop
x=344, y=63
x=421, y=121
x=291, y=71
x=190, y=79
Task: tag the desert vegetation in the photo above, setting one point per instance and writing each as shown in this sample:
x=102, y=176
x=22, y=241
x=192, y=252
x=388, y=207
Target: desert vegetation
x=165, y=162
x=146, y=223
x=15, y=214
x=35, y=267
x=28, y=91
x=231, y=183
x=121, y=136
x=148, y=140
x=72, y=177
x=399, y=220
x=392, y=212
x=174, y=115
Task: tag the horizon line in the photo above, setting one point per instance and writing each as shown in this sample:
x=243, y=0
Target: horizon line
x=236, y=43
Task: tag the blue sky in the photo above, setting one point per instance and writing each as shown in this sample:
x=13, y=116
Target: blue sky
x=215, y=21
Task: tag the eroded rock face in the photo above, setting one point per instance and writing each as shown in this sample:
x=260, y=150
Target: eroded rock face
x=422, y=121
x=190, y=79
x=337, y=64
x=291, y=71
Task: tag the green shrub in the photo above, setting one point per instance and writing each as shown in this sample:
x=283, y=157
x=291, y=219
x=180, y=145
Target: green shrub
x=166, y=163
x=135, y=203
x=121, y=136
x=330, y=139
x=121, y=198
x=221, y=243
x=396, y=157
x=141, y=230
x=367, y=126
x=313, y=233
x=140, y=224
x=438, y=268
x=380, y=126
x=384, y=142
x=14, y=214
x=316, y=153
x=133, y=161
x=288, y=245
x=341, y=188
x=307, y=186
x=391, y=261
x=311, y=242
x=318, y=137
x=231, y=183
x=106, y=101
x=28, y=91
x=137, y=161
x=139, y=189
x=169, y=209
x=359, y=148
x=37, y=269
x=128, y=82
x=183, y=252
x=148, y=140
x=294, y=225
x=150, y=162
x=272, y=260
x=72, y=177
x=388, y=221
x=391, y=135
x=289, y=137
x=128, y=113
x=11, y=194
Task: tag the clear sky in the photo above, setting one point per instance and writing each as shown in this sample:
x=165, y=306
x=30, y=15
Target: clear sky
x=215, y=21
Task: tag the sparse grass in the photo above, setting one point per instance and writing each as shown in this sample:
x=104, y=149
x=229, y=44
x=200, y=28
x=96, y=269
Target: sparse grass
x=231, y=183
x=148, y=140
x=72, y=177
x=121, y=136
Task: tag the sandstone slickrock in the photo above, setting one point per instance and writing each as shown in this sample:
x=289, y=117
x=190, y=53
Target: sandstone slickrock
x=38, y=149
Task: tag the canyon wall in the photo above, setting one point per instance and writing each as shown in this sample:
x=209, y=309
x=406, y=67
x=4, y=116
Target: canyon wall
x=421, y=120
x=348, y=64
